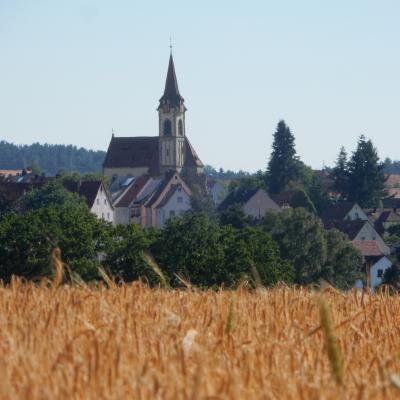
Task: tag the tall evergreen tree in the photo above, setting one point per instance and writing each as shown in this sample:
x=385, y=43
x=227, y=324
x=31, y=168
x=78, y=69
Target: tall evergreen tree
x=366, y=181
x=340, y=173
x=282, y=167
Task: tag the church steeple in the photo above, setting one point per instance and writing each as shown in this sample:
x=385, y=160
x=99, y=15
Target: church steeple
x=171, y=96
x=171, y=114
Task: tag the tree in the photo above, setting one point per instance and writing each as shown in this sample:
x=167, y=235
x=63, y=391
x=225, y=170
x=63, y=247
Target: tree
x=366, y=181
x=301, y=240
x=26, y=241
x=234, y=216
x=340, y=173
x=251, y=247
x=51, y=194
x=191, y=246
x=301, y=199
x=282, y=167
x=341, y=268
x=124, y=254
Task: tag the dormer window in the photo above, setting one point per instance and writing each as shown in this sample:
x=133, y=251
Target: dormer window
x=167, y=128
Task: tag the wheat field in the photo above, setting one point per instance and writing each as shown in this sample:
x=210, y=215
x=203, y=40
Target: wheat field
x=134, y=342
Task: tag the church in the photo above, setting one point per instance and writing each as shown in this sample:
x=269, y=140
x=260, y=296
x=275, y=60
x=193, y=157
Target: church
x=156, y=156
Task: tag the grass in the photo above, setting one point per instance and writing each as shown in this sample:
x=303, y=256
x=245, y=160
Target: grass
x=133, y=342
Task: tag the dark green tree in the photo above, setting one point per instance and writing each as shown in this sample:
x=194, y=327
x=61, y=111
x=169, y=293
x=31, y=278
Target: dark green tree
x=282, y=167
x=27, y=239
x=342, y=266
x=191, y=247
x=301, y=240
x=251, y=248
x=301, y=199
x=234, y=216
x=124, y=254
x=340, y=174
x=51, y=194
x=366, y=183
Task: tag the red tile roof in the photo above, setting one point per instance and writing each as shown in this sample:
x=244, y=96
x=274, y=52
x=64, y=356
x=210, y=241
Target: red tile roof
x=368, y=248
x=134, y=189
x=393, y=180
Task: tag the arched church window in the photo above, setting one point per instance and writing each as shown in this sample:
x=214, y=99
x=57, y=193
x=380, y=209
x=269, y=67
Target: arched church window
x=167, y=128
x=180, y=128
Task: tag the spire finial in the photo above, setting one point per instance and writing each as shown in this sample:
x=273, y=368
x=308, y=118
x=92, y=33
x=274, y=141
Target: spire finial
x=170, y=45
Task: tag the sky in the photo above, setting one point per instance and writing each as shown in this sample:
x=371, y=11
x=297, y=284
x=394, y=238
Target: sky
x=71, y=71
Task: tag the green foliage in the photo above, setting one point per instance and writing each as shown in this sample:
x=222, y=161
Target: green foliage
x=366, y=176
x=234, y=216
x=340, y=173
x=362, y=178
x=394, y=230
x=124, y=254
x=392, y=276
x=27, y=239
x=343, y=261
x=51, y=194
x=283, y=164
x=191, y=246
x=301, y=199
x=300, y=237
x=50, y=158
x=208, y=255
x=250, y=248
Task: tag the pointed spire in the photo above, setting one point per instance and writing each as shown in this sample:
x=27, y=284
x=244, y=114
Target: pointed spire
x=171, y=94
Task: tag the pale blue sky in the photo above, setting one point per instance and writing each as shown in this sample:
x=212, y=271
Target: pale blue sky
x=72, y=70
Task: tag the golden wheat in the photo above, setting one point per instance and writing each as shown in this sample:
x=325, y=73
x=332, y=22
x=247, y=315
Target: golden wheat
x=133, y=342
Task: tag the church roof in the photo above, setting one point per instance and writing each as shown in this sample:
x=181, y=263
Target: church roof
x=171, y=94
x=132, y=152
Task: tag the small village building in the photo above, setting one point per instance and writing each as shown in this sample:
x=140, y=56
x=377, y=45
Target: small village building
x=352, y=220
x=96, y=197
x=255, y=202
x=375, y=263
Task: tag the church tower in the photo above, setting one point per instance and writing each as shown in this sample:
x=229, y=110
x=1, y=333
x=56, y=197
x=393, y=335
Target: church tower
x=171, y=113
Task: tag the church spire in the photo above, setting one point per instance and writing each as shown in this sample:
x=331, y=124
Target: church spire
x=171, y=96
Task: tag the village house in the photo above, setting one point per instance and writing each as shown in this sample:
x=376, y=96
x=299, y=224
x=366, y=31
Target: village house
x=352, y=220
x=96, y=197
x=375, y=264
x=254, y=202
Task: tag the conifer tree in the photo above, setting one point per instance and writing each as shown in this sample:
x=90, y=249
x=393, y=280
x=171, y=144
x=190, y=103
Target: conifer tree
x=340, y=173
x=366, y=181
x=282, y=167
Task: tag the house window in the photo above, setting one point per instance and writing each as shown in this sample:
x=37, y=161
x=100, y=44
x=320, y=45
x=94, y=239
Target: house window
x=102, y=215
x=172, y=213
x=98, y=201
x=363, y=238
x=167, y=128
x=108, y=216
x=180, y=199
x=379, y=273
x=105, y=201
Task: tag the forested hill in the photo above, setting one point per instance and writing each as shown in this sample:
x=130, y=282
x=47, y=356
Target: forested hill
x=50, y=158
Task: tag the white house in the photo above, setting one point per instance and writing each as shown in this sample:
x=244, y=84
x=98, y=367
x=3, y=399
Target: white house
x=96, y=197
x=374, y=263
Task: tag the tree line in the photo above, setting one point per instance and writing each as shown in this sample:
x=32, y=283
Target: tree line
x=50, y=159
x=289, y=247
